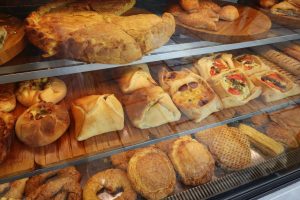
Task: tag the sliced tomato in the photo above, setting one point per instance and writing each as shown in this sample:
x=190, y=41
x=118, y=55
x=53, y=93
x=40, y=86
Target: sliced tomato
x=213, y=71
x=239, y=77
x=218, y=63
x=274, y=76
x=248, y=67
x=234, y=91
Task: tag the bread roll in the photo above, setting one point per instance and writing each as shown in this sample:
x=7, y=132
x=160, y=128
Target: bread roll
x=7, y=122
x=275, y=85
x=267, y=3
x=234, y=88
x=97, y=114
x=135, y=77
x=45, y=89
x=42, y=124
x=190, y=5
x=7, y=97
x=229, y=13
x=192, y=161
x=151, y=173
x=190, y=93
x=150, y=107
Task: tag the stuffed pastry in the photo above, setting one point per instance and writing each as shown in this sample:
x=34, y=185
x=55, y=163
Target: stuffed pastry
x=285, y=9
x=235, y=88
x=191, y=94
x=250, y=64
x=135, y=77
x=275, y=85
x=97, y=114
x=210, y=66
x=150, y=107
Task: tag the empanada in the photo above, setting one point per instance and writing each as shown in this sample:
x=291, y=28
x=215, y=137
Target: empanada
x=150, y=107
x=97, y=114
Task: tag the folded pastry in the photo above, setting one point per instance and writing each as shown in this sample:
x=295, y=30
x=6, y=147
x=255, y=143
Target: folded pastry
x=3, y=35
x=250, y=64
x=97, y=114
x=191, y=94
x=286, y=9
x=192, y=161
x=150, y=107
x=210, y=66
x=275, y=85
x=235, y=88
x=228, y=145
x=135, y=77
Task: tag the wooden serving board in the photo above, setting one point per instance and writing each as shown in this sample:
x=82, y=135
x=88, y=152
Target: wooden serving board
x=23, y=158
x=288, y=21
x=15, y=41
x=251, y=25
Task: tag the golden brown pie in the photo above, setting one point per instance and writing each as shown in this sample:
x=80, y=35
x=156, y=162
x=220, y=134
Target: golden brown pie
x=192, y=161
x=229, y=146
x=75, y=33
x=151, y=173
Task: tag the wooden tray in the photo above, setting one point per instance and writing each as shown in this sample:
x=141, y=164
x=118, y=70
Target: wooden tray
x=288, y=21
x=251, y=25
x=15, y=41
x=23, y=158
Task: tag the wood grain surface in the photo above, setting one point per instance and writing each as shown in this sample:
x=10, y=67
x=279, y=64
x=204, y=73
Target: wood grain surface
x=23, y=158
x=15, y=41
x=251, y=25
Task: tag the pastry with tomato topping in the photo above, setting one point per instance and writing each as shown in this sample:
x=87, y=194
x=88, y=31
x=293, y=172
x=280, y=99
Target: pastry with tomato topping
x=191, y=94
x=275, y=85
x=210, y=66
x=251, y=64
x=235, y=88
x=44, y=89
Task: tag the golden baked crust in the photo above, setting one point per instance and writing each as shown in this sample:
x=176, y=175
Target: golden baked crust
x=42, y=124
x=7, y=97
x=151, y=173
x=7, y=122
x=3, y=35
x=97, y=114
x=75, y=34
x=228, y=145
x=59, y=184
x=190, y=5
x=229, y=13
x=275, y=85
x=191, y=94
x=150, y=107
x=208, y=4
x=111, y=180
x=135, y=77
x=192, y=161
x=121, y=160
x=13, y=190
x=44, y=89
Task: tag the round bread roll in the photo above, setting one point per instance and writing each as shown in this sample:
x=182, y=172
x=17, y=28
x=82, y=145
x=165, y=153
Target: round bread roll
x=7, y=122
x=112, y=180
x=7, y=97
x=229, y=13
x=42, y=124
x=45, y=89
x=151, y=173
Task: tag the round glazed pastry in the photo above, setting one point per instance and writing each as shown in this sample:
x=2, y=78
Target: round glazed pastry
x=7, y=97
x=192, y=161
x=59, y=185
x=42, y=124
x=45, y=89
x=151, y=173
x=112, y=180
x=7, y=121
x=229, y=13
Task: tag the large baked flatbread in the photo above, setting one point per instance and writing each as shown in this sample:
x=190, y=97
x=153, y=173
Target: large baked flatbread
x=83, y=34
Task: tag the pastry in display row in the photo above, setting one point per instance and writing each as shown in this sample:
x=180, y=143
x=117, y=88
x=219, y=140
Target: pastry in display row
x=3, y=35
x=122, y=39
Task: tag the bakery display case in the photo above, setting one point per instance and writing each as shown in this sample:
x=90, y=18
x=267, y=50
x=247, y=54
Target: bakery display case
x=148, y=99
